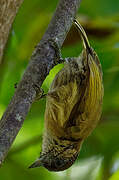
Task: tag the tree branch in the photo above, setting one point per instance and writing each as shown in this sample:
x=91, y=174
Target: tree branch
x=44, y=57
x=8, y=10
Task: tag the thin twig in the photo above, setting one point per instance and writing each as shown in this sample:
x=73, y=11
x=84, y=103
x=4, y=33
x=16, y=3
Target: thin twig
x=44, y=57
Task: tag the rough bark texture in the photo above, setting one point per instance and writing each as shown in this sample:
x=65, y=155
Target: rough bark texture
x=44, y=57
x=8, y=10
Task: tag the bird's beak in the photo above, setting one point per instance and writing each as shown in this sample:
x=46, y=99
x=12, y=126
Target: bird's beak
x=37, y=163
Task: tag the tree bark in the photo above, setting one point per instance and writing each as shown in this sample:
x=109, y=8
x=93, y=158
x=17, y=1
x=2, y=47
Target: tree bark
x=8, y=10
x=44, y=57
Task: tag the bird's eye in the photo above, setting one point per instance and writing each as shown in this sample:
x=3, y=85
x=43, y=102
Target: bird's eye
x=59, y=162
x=62, y=145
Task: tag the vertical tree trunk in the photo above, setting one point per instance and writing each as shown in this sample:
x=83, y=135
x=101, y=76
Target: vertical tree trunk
x=8, y=10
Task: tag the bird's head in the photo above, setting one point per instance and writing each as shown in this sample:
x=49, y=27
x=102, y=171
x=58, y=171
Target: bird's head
x=56, y=161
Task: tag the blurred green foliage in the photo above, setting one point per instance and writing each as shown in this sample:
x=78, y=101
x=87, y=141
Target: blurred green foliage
x=99, y=156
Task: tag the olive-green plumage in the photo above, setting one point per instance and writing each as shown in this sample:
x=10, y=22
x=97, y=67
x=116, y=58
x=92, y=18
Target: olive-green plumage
x=73, y=109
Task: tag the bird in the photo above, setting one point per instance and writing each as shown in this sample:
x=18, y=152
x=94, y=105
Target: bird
x=73, y=108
